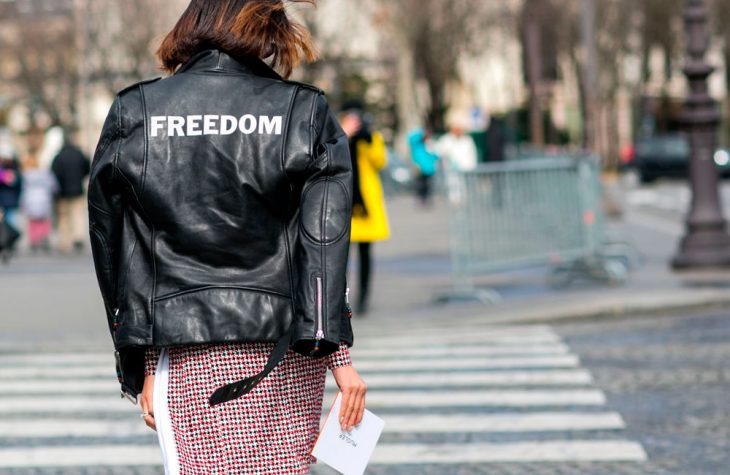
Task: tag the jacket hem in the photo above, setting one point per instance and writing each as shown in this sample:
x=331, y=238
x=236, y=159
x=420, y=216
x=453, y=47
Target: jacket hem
x=220, y=315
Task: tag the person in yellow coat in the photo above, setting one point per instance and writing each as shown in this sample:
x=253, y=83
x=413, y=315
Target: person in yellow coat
x=369, y=217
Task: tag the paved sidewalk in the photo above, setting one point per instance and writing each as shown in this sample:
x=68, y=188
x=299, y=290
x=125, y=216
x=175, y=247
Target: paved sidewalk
x=414, y=266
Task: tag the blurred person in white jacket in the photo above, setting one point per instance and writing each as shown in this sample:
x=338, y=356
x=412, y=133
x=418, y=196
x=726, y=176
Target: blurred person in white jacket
x=457, y=149
x=458, y=154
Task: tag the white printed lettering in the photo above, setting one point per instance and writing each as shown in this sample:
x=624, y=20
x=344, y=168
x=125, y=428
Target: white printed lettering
x=229, y=124
x=158, y=123
x=247, y=129
x=194, y=125
x=197, y=125
x=270, y=125
x=175, y=125
x=209, y=125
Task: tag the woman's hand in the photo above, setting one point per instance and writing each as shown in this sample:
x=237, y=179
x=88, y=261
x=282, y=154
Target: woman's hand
x=351, y=124
x=353, y=390
x=145, y=400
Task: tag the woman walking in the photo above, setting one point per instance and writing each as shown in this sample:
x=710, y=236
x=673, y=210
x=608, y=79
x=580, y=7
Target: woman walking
x=220, y=214
x=37, y=204
x=369, y=217
x=11, y=184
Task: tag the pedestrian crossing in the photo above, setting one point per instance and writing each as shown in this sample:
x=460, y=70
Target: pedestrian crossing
x=448, y=397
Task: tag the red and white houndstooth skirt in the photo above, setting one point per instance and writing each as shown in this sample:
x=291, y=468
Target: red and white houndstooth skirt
x=270, y=431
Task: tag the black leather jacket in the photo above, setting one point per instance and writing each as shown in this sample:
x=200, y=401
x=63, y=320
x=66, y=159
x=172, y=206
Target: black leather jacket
x=220, y=204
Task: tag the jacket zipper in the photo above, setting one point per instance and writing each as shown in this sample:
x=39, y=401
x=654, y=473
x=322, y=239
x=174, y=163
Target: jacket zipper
x=348, y=308
x=319, y=334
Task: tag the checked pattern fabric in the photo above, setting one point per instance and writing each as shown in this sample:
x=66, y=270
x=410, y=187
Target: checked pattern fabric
x=270, y=431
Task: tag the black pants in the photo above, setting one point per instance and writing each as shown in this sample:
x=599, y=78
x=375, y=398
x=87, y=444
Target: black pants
x=423, y=188
x=363, y=249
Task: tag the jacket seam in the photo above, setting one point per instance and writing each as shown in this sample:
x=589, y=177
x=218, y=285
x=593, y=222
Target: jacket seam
x=322, y=247
x=119, y=135
x=153, y=234
x=224, y=72
x=104, y=146
x=324, y=241
x=284, y=224
x=131, y=188
x=214, y=287
x=152, y=246
x=314, y=130
x=285, y=136
x=122, y=287
x=146, y=143
x=107, y=255
x=100, y=210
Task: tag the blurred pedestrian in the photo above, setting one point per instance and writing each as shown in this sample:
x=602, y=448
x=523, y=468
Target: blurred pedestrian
x=456, y=149
x=11, y=184
x=71, y=167
x=369, y=218
x=496, y=140
x=426, y=162
x=458, y=154
x=8, y=237
x=221, y=242
x=39, y=188
x=11, y=187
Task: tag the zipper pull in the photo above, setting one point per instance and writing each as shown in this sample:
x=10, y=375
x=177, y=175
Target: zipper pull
x=348, y=308
x=317, y=337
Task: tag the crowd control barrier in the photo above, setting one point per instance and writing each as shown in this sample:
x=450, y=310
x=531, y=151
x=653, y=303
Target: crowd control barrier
x=509, y=215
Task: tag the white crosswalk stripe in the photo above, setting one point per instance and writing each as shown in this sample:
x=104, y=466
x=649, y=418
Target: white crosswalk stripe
x=518, y=391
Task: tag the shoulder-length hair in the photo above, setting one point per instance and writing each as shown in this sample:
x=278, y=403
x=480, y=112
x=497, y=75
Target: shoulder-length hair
x=241, y=28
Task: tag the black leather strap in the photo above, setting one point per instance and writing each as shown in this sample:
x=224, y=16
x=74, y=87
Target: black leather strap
x=235, y=390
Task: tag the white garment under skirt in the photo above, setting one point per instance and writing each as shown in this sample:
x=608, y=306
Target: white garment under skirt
x=165, y=432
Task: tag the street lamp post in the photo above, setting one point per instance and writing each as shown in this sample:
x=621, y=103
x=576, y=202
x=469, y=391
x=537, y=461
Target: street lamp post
x=706, y=242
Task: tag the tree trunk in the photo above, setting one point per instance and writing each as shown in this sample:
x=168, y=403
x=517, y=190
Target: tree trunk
x=726, y=58
x=437, y=109
x=590, y=75
x=534, y=78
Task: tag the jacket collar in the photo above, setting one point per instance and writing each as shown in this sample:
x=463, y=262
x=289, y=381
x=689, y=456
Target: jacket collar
x=214, y=60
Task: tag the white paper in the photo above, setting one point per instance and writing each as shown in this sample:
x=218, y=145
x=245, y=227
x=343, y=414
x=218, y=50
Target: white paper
x=347, y=452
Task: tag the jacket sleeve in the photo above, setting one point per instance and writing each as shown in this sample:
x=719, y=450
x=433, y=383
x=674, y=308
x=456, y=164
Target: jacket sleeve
x=105, y=211
x=339, y=358
x=320, y=321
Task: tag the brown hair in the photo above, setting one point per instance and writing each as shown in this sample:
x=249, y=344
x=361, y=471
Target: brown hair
x=242, y=29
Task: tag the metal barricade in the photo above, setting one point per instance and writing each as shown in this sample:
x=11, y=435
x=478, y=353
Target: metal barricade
x=511, y=215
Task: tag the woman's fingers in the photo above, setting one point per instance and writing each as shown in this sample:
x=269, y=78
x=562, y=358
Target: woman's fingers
x=352, y=407
x=358, y=408
x=145, y=401
x=360, y=411
x=150, y=421
x=346, y=407
x=353, y=388
x=148, y=413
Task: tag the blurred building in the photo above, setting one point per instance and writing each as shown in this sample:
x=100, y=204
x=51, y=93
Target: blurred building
x=493, y=80
x=62, y=60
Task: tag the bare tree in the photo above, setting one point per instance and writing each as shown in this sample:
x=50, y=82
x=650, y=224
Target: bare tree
x=437, y=34
x=721, y=20
x=40, y=44
x=596, y=53
x=121, y=38
x=660, y=27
